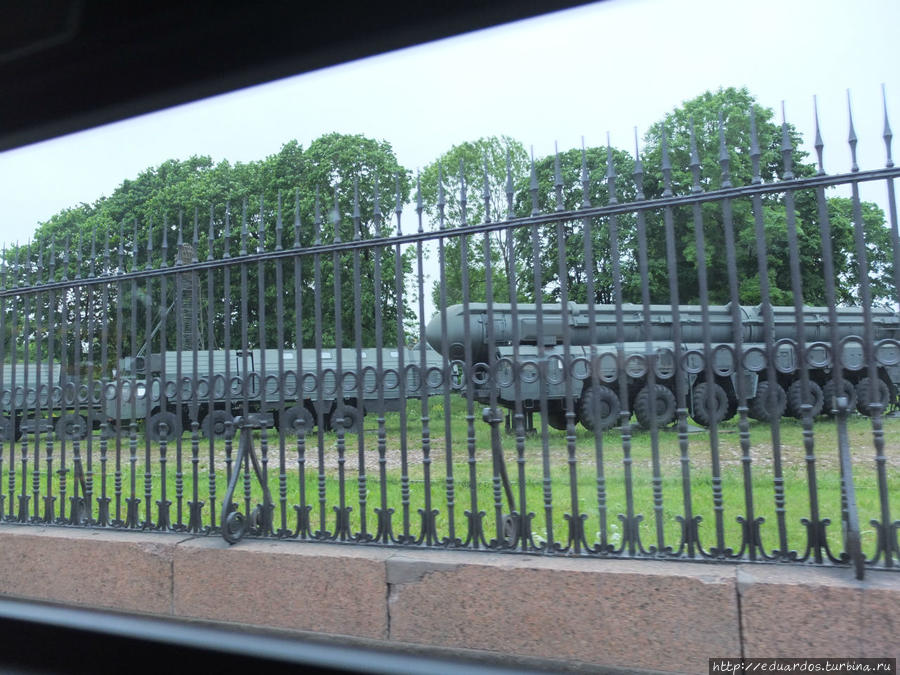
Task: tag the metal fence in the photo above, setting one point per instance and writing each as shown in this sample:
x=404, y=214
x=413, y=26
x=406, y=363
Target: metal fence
x=273, y=369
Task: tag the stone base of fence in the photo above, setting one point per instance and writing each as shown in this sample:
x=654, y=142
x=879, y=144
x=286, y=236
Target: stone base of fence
x=579, y=613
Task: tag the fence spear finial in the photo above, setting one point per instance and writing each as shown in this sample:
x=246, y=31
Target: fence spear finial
x=888, y=136
x=610, y=173
x=638, y=170
x=724, y=162
x=666, y=163
x=585, y=179
x=786, y=147
x=851, y=139
x=533, y=186
x=279, y=225
x=819, y=144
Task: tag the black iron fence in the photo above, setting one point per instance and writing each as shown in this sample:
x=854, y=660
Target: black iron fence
x=665, y=363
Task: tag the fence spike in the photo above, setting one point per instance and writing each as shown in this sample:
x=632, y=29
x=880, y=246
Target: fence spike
x=888, y=136
x=79, y=257
x=533, y=187
x=227, y=251
x=666, y=163
x=261, y=230
x=557, y=178
x=210, y=235
x=356, y=212
x=510, y=192
x=463, y=201
x=278, y=224
x=244, y=231
x=419, y=205
x=296, y=217
x=179, y=243
x=851, y=138
x=819, y=144
x=398, y=208
x=695, y=160
x=724, y=161
x=610, y=174
x=638, y=170
x=121, y=247
x=134, y=247
x=377, y=208
x=441, y=202
x=755, y=153
x=196, y=239
x=91, y=268
x=165, y=240
x=107, y=260
x=317, y=221
x=336, y=219
x=486, y=191
x=585, y=179
x=786, y=148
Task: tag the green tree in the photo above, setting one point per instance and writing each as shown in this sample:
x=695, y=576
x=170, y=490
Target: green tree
x=481, y=168
x=568, y=236
x=701, y=115
x=234, y=208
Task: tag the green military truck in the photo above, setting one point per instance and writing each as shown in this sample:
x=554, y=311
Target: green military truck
x=330, y=387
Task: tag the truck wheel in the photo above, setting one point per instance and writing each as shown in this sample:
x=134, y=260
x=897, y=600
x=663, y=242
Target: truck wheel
x=662, y=408
x=701, y=412
x=598, y=408
x=864, y=394
x=289, y=420
x=760, y=409
x=9, y=429
x=795, y=398
x=155, y=427
x=352, y=418
x=72, y=427
x=556, y=417
x=109, y=430
x=848, y=390
x=213, y=425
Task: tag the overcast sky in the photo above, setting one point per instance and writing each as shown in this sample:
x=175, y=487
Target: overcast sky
x=583, y=72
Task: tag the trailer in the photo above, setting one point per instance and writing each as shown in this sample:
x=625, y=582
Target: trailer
x=331, y=387
x=562, y=353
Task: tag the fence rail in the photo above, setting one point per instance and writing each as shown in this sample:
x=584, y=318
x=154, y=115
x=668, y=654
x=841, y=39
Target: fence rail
x=560, y=398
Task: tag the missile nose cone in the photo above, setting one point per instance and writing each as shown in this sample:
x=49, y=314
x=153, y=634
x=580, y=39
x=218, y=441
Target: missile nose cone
x=455, y=332
x=433, y=332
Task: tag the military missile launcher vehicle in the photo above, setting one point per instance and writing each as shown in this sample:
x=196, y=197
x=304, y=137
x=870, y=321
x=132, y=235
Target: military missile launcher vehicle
x=332, y=387
x=42, y=397
x=530, y=360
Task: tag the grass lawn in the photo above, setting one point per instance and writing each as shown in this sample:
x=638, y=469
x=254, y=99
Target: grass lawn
x=543, y=477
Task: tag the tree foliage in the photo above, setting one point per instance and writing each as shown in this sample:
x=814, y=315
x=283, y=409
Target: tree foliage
x=701, y=115
x=480, y=171
x=229, y=209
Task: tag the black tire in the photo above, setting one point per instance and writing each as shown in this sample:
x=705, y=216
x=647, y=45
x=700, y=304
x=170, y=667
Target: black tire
x=664, y=408
x=795, y=398
x=9, y=429
x=109, y=430
x=701, y=412
x=556, y=418
x=864, y=395
x=828, y=393
x=759, y=407
x=72, y=427
x=288, y=422
x=155, y=426
x=598, y=408
x=351, y=418
x=213, y=425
